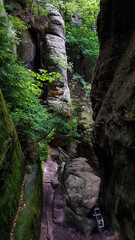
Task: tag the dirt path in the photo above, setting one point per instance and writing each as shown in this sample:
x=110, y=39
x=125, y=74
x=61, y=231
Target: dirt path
x=49, y=168
x=49, y=230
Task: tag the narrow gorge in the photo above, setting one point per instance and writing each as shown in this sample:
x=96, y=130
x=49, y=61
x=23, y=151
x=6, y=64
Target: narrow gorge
x=67, y=111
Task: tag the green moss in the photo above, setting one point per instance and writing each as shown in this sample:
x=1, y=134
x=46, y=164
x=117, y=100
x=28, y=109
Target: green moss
x=115, y=224
x=28, y=223
x=11, y=171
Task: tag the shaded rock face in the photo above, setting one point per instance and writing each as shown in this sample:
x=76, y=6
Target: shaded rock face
x=80, y=188
x=113, y=100
x=27, y=50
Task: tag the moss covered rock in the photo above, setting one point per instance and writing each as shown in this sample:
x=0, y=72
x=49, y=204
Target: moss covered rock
x=28, y=222
x=11, y=171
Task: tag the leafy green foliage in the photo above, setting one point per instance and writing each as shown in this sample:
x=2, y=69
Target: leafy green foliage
x=21, y=90
x=17, y=23
x=45, y=76
x=43, y=148
x=19, y=87
x=83, y=39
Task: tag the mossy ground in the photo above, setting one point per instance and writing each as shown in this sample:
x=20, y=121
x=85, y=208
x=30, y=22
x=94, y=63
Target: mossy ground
x=11, y=171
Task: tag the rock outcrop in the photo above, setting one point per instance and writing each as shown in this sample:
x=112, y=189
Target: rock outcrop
x=55, y=58
x=80, y=189
x=43, y=47
x=113, y=100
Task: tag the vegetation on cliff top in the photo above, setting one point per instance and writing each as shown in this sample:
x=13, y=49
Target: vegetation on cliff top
x=80, y=22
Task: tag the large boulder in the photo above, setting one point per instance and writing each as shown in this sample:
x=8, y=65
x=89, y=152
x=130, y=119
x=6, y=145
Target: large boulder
x=81, y=186
x=76, y=195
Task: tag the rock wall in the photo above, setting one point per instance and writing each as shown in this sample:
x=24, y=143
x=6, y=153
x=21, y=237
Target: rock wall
x=113, y=100
x=11, y=171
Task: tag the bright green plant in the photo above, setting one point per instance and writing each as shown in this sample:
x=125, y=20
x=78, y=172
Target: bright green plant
x=17, y=23
x=43, y=148
x=44, y=76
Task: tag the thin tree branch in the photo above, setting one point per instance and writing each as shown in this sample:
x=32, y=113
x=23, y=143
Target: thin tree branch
x=40, y=139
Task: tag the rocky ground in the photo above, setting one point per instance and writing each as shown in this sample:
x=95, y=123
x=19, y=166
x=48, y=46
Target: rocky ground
x=50, y=230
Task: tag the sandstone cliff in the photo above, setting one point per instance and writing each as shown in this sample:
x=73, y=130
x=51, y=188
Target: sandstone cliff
x=113, y=100
x=43, y=47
